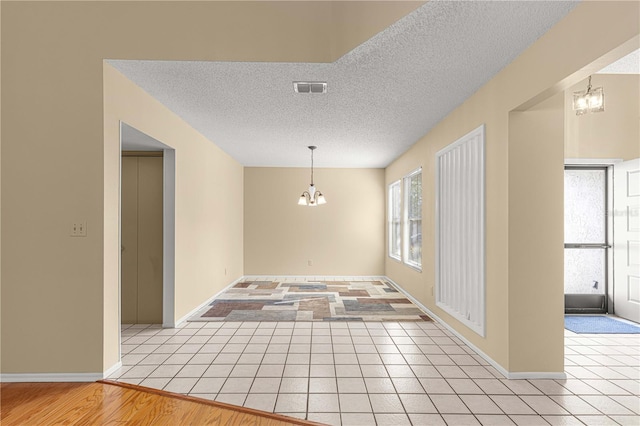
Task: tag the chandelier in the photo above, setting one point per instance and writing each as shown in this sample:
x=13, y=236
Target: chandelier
x=590, y=100
x=311, y=197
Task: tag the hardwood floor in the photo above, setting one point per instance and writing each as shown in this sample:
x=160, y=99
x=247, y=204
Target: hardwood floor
x=110, y=403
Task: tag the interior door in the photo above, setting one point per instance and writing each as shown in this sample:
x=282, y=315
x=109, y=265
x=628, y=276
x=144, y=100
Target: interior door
x=150, y=240
x=586, y=240
x=626, y=243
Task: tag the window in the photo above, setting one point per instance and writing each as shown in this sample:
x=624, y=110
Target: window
x=395, y=237
x=405, y=219
x=413, y=219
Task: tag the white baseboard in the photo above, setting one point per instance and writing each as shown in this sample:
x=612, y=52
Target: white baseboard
x=109, y=371
x=536, y=375
x=58, y=377
x=206, y=302
x=50, y=377
x=318, y=277
x=491, y=361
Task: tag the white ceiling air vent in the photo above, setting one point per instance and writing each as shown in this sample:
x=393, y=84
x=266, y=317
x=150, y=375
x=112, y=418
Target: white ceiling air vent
x=310, y=86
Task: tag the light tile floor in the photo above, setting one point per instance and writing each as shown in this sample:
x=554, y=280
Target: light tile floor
x=410, y=373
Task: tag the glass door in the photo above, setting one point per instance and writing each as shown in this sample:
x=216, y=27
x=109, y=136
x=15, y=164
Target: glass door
x=585, y=239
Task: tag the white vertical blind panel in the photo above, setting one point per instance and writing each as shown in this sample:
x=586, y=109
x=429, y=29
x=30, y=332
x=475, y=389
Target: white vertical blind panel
x=460, y=248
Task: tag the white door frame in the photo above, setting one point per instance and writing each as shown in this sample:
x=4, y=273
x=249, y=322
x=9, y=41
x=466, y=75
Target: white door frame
x=169, y=238
x=626, y=265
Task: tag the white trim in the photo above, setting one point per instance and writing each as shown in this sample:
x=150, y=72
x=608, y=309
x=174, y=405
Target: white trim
x=206, y=302
x=591, y=161
x=390, y=219
x=168, y=238
x=109, y=371
x=318, y=277
x=533, y=375
x=119, y=241
x=491, y=361
x=50, y=377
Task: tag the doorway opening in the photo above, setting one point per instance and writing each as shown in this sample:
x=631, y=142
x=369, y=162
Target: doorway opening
x=602, y=234
x=586, y=239
x=161, y=263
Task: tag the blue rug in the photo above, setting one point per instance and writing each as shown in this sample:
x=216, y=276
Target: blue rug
x=590, y=324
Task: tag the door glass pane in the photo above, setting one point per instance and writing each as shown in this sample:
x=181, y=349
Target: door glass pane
x=584, y=206
x=584, y=271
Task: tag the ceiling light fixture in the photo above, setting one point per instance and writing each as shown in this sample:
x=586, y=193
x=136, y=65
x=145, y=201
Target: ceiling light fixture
x=312, y=197
x=590, y=100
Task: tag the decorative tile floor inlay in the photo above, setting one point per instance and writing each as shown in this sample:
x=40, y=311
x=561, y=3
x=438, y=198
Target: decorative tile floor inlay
x=334, y=300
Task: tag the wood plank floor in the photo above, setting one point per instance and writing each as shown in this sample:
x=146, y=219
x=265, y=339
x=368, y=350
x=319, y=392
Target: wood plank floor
x=110, y=403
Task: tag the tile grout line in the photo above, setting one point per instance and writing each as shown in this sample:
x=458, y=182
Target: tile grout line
x=588, y=347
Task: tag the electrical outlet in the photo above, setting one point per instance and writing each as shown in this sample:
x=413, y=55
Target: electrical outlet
x=432, y=290
x=79, y=229
x=225, y=271
x=309, y=262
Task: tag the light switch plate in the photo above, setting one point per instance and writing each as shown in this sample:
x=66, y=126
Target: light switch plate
x=79, y=229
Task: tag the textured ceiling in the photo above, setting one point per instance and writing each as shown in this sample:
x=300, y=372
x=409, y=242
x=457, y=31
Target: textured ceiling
x=382, y=96
x=629, y=64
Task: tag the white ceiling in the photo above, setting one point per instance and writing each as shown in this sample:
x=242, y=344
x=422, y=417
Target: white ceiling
x=629, y=64
x=133, y=139
x=382, y=96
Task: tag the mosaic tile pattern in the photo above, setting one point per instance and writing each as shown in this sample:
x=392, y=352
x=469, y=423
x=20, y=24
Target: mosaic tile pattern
x=335, y=300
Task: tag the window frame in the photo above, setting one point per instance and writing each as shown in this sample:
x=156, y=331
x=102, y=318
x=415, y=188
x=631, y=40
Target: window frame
x=392, y=220
x=406, y=220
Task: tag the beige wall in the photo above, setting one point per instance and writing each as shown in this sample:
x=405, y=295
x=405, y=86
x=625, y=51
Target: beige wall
x=0, y=191
x=345, y=35
x=536, y=254
x=209, y=205
x=59, y=164
x=59, y=161
x=612, y=133
x=343, y=237
x=551, y=65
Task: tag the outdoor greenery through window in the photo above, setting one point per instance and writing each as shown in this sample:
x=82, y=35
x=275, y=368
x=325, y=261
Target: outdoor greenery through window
x=405, y=219
x=395, y=236
x=413, y=219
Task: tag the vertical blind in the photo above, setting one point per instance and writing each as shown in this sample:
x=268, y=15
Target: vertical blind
x=460, y=246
